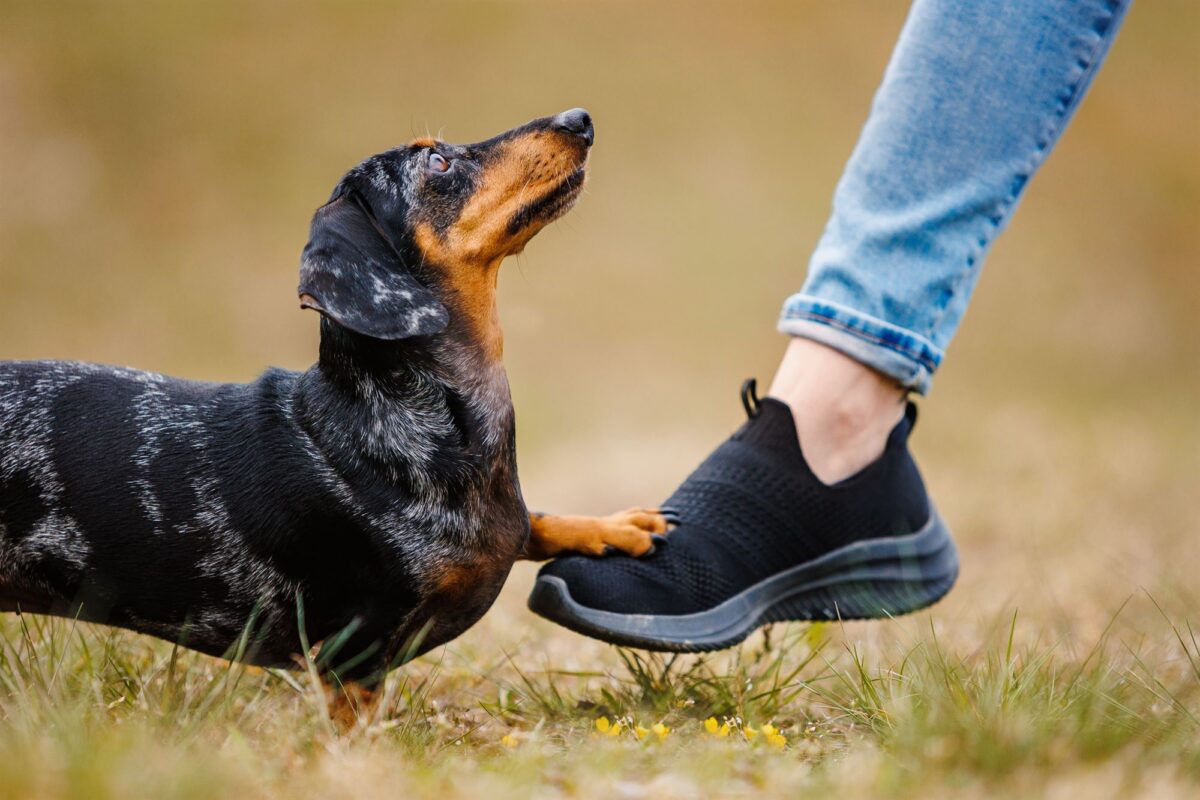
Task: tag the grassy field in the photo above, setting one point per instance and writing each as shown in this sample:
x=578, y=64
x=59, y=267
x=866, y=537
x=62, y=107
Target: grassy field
x=160, y=163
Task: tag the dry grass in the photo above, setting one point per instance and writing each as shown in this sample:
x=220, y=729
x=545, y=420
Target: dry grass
x=92, y=713
x=159, y=164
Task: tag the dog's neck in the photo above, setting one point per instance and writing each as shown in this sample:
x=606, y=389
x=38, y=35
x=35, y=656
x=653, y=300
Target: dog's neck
x=452, y=378
x=468, y=288
x=472, y=291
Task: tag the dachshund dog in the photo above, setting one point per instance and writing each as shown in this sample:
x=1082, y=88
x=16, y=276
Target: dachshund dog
x=369, y=505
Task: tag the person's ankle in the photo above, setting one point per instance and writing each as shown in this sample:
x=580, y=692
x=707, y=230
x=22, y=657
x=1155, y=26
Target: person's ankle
x=844, y=410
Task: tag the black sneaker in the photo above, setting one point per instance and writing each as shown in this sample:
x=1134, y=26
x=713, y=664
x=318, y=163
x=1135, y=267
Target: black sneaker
x=760, y=539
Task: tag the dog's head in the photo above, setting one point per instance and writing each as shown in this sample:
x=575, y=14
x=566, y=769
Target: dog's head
x=425, y=225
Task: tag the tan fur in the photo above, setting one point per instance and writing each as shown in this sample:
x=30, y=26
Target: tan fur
x=470, y=251
x=350, y=704
x=628, y=531
x=455, y=581
x=472, y=289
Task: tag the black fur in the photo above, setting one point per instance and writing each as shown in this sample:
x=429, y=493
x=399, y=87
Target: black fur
x=374, y=497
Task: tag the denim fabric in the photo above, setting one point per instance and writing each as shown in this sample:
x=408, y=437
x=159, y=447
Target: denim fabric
x=976, y=94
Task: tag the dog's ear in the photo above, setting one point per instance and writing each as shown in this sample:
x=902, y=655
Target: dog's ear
x=352, y=274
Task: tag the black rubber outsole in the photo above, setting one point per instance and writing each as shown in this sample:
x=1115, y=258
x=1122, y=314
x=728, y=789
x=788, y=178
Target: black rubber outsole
x=870, y=579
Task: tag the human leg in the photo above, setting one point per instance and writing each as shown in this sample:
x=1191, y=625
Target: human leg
x=976, y=94
x=973, y=100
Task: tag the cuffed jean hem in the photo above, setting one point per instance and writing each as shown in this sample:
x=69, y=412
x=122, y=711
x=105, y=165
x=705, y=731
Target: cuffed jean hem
x=901, y=354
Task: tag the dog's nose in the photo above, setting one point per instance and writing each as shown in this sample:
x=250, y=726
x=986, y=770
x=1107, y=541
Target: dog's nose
x=577, y=121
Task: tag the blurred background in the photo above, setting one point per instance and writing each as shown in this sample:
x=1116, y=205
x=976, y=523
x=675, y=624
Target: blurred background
x=159, y=164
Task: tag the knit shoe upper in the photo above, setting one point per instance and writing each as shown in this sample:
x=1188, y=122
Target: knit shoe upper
x=751, y=510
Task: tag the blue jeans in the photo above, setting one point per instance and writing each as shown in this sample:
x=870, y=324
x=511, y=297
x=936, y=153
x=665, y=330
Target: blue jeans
x=976, y=94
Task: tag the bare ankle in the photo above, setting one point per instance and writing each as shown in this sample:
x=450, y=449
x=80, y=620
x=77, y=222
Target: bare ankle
x=843, y=409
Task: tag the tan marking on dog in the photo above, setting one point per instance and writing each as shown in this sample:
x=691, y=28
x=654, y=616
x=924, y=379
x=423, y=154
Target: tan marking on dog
x=456, y=580
x=524, y=171
x=350, y=705
x=469, y=253
x=627, y=531
x=469, y=288
x=423, y=142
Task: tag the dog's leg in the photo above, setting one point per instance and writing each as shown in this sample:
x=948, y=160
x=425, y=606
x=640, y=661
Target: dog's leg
x=350, y=704
x=631, y=532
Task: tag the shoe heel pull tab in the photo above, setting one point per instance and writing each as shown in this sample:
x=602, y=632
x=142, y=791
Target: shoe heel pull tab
x=750, y=397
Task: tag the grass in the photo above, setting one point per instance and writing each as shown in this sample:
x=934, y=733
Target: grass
x=104, y=713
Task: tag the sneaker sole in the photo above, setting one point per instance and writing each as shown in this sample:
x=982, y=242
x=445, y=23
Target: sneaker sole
x=870, y=579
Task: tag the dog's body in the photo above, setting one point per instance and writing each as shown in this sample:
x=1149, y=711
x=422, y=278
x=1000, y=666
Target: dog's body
x=371, y=502
x=183, y=509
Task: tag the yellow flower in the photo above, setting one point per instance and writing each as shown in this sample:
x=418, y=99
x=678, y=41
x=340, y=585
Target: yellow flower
x=509, y=740
x=660, y=730
x=609, y=728
x=750, y=732
x=772, y=735
x=712, y=727
x=640, y=732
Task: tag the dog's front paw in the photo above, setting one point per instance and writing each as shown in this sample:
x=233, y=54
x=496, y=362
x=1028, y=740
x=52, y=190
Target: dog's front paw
x=635, y=532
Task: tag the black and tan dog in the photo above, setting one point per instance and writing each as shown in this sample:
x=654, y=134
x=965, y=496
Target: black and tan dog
x=370, y=503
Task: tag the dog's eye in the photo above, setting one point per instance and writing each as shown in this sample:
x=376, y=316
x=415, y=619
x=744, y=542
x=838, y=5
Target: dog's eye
x=437, y=163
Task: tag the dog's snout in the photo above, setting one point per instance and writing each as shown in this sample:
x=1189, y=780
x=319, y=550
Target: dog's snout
x=577, y=121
